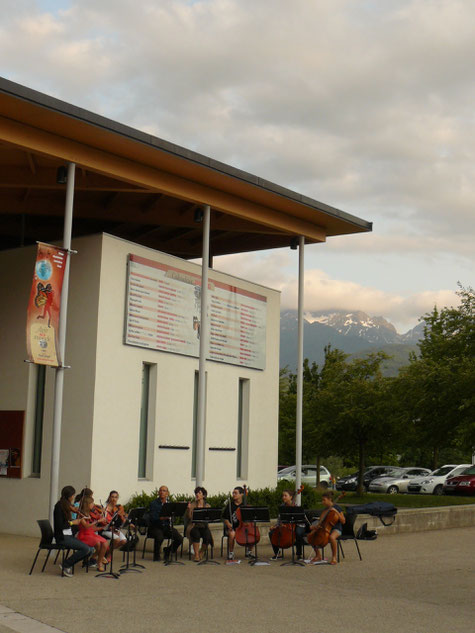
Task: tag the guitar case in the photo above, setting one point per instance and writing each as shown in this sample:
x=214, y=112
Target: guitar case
x=386, y=512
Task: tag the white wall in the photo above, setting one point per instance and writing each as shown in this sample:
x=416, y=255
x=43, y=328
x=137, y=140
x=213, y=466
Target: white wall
x=102, y=392
x=24, y=501
x=118, y=398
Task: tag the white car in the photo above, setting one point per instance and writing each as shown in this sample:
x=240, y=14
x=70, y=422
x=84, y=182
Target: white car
x=396, y=480
x=434, y=483
x=309, y=475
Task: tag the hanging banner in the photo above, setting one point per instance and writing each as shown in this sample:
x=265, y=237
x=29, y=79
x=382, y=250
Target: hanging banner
x=42, y=324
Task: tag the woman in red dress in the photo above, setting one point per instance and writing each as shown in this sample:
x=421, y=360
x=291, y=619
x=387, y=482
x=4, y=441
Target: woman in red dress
x=88, y=528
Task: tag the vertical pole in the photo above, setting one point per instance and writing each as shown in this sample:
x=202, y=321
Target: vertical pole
x=59, y=376
x=204, y=328
x=298, y=424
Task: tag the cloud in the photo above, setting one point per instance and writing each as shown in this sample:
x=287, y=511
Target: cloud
x=367, y=106
x=322, y=292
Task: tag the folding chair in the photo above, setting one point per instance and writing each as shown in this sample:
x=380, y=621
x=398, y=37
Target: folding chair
x=47, y=544
x=348, y=534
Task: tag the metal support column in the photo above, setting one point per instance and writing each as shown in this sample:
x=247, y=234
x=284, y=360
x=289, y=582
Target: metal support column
x=298, y=423
x=204, y=330
x=59, y=376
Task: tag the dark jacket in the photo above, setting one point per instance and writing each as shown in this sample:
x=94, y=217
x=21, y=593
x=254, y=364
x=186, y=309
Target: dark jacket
x=60, y=523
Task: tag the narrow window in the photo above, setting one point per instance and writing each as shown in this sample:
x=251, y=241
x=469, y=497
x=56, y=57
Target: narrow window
x=147, y=421
x=243, y=429
x=38, y=419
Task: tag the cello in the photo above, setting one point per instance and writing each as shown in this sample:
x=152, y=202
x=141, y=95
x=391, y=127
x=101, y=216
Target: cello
x=320, y=535
x=246, y=533
x=283, y=535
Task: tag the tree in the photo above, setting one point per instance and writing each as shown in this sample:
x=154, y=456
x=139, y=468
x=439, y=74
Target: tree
x=356, y=398
x=439, y=382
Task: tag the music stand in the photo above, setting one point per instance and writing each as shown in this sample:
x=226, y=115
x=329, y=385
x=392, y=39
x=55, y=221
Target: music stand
x=292, y=515
x=207, y=515
x=135, y=515
x=112, y=527
x=171, y=511
x=255, y=514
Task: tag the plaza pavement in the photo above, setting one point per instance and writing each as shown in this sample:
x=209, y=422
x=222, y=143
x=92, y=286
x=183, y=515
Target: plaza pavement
x=406, y=583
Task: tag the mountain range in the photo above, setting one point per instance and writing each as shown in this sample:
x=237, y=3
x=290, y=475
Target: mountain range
x=355, y=333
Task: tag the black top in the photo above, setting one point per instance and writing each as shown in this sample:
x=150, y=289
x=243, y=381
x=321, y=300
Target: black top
x=229, y=513
x=60, y=522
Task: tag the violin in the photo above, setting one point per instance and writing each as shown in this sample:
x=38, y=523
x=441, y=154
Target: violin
x=320, y=535
x=283, y=535
x=246, y=533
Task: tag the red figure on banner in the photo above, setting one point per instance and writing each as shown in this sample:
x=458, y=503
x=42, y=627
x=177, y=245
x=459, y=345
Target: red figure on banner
x=44, y=297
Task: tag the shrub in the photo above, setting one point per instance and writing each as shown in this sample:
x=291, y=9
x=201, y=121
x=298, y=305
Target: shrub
x=270, y=497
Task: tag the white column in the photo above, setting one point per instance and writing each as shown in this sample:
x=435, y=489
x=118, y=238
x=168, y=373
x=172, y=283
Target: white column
x=298, y=423
x=204, y=330
x=59, y=376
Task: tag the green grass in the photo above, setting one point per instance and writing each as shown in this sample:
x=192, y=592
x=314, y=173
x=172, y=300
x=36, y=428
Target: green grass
x=407, y=500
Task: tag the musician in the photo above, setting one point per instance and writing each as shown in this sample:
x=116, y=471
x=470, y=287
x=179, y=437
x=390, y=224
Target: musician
x=161, y=528
x=112, y=508
x=288, y=499
x=88, y=528
x=231, y=522
x=197, y=531
x=63, y=530
x=336, y=530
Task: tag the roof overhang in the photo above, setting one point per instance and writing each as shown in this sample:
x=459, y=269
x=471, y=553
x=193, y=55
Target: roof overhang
x=139, y=187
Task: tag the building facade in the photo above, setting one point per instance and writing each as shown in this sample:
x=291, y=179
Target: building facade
x=129, y=413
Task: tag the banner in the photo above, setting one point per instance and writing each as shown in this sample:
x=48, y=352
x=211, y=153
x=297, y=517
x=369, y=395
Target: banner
x=42, y=324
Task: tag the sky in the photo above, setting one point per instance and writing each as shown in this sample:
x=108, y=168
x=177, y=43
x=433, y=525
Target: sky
x=364, y=105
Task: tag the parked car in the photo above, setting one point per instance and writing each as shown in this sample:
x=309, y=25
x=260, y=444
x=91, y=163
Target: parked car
x=309, y=475
x=434, y=484
x=397, y=480
x=463, y=484
x=350, y=482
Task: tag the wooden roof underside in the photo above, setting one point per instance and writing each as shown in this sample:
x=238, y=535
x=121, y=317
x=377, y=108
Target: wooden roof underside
x=138, y=187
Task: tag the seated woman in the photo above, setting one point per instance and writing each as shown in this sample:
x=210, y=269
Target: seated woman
x=335, y=527
x=288, y=499
x=63, y=530
x=88, y=528
x=197, y=531
x=111, y=508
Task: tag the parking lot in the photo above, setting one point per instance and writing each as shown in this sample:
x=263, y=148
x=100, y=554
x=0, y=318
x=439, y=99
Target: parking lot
x=406, y=583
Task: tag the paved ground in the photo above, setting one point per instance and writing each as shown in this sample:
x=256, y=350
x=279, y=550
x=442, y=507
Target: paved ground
x=407, y=583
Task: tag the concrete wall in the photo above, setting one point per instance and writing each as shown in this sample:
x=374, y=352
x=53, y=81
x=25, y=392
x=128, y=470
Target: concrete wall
x=23, y=501
x=118, y=398
x=421, y=519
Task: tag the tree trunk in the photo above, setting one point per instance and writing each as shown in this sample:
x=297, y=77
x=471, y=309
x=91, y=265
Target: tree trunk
x=319, y=459
x=361, y=467
x=435, y=457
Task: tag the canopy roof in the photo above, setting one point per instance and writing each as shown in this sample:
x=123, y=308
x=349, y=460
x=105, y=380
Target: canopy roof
x=137, y=186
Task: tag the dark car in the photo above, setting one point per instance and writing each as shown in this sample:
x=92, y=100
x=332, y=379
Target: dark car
x=350, y=482
x=462, y=484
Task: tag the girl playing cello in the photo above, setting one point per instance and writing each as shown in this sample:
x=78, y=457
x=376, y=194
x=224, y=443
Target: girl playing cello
x=329, y=528
x=288, y=499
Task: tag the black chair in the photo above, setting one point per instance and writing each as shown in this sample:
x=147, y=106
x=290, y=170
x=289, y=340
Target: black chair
x=348, y=534
x=47, y=544
x=224, y=536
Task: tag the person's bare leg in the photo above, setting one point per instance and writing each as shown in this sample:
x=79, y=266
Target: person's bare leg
x=317, y=557
x=196, y=549
x=334, y=546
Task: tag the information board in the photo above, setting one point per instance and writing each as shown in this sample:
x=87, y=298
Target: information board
x=163, y=312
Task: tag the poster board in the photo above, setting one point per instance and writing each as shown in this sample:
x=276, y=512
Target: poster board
x=11, y=443
x=163, y=312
